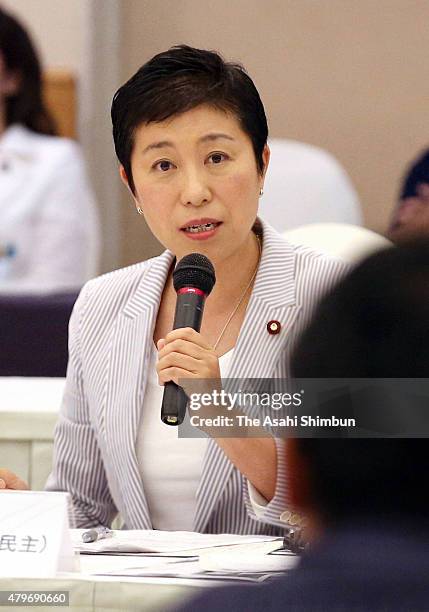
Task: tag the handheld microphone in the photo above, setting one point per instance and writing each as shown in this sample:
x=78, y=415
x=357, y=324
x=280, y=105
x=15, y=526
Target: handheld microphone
x=193, y=279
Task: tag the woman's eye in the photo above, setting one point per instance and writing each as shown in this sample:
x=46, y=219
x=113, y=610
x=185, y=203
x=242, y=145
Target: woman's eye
x=163, y=165
x=217, y=158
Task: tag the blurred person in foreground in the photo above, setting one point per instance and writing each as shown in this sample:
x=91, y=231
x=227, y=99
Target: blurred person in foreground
x=411, y=216
x=49, y=234
x=190, y=133
x=368, y=523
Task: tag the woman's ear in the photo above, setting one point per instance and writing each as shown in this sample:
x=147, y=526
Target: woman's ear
x=266, y=159
x=124, y=179
x=123, y=176
x=10, y=83
x=10, y=80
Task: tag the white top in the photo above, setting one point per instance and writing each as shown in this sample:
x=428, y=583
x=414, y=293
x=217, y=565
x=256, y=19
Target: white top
x=47, y=214
x=170, y=467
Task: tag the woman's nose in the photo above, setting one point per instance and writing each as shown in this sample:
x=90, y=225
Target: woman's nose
x=195, y=189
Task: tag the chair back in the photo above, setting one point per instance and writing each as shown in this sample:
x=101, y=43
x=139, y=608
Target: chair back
x=305, y=184
x=341, y=240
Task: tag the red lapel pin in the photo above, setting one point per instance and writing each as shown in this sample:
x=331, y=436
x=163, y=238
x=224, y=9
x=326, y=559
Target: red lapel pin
x=274, y=327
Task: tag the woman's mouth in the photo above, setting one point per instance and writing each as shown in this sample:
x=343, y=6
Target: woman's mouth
x=194, y=229
x=201, y=231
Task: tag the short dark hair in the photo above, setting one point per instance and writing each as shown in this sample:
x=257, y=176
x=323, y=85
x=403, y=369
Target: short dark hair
x=416, y=174
x=374, y=324
x=178, y=80
x=19, y=55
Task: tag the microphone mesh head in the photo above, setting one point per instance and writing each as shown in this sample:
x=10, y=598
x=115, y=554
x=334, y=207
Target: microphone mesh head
x=194, y=270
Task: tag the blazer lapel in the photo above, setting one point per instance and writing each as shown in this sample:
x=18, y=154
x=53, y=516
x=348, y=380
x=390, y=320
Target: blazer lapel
x=256, y=353
x=127, y=380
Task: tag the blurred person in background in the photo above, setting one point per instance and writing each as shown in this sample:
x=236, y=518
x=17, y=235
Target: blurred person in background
x=49, y=233
x=367, y=520
x=411, y=216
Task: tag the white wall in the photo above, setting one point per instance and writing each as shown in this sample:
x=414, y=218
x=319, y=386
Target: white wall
x=57, y=27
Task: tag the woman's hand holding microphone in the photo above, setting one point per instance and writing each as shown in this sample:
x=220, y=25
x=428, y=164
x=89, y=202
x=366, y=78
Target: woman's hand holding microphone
x=184, y=355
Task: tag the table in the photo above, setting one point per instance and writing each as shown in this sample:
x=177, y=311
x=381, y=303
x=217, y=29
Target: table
x=115, y=595
x=90, y=593
x=107, y=593
x=28, y=412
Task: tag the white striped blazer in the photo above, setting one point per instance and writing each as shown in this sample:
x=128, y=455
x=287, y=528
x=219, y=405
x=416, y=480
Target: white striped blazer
x=111, y=329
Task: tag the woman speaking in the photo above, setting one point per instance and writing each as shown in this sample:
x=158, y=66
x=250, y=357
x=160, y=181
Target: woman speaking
x=190, y=133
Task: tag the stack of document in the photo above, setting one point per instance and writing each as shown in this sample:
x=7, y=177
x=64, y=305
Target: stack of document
x=163, y=542
x=179, y=556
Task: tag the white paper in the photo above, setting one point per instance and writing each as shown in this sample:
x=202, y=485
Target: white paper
x=103, y=565
x=247, y=558
x=250, y=562
x=193, y=570
x=34, y=534
x=34, y=395
x=145, y=540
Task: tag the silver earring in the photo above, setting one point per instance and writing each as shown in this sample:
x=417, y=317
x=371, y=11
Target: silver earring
x=139, y=210
x=261, y=192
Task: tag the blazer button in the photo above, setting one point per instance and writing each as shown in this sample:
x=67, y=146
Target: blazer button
x=274, y=327
x=292, y=518
x=285, y=516
x=295, y=519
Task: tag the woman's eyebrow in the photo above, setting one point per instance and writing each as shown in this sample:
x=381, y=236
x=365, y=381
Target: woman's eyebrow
x=215, y=136
x=158, y=145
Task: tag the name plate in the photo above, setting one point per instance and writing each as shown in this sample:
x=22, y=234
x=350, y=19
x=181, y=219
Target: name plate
x=34, y=534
